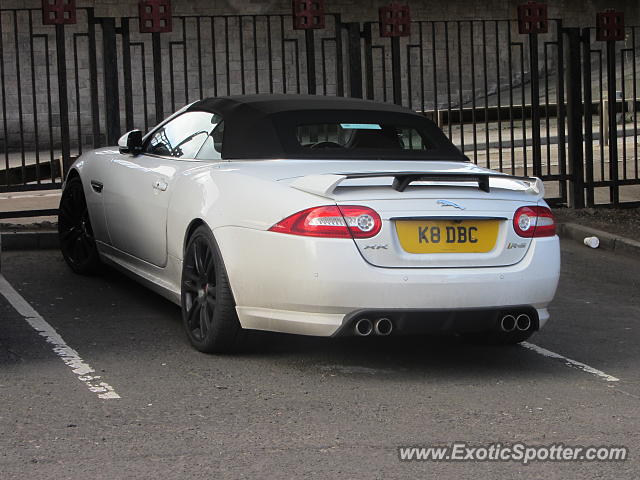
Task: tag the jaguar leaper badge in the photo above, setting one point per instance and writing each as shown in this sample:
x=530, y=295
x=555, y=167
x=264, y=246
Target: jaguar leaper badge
x=447, y=203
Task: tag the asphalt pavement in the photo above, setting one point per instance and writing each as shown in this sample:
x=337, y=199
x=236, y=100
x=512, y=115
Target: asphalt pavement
x=293, y=407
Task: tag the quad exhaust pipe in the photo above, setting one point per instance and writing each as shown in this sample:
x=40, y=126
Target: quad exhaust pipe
x=383, y=327
x=365, y=327
x=509, y=323
x=523, y=322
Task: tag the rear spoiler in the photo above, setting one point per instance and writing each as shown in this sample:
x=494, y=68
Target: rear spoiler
x=325, y=184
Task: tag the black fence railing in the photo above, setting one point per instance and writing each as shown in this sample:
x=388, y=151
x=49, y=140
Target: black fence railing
x=489, y=89
x=513, y=103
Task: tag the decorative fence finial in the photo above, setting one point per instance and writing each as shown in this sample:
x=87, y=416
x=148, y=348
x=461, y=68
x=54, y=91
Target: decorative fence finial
x=307, y=14
x=58, y=12
x=609, y=26
x=155, y=16
x=395, y=20
x=533, y=18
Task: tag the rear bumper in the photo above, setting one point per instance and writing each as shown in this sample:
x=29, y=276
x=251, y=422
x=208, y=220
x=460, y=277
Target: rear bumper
x=313, y=286
x=420, y=321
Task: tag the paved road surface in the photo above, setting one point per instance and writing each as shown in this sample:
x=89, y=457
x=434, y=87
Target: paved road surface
x=297, y=407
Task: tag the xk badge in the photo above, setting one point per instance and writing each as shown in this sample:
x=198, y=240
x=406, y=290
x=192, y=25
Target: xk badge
x=376, y=247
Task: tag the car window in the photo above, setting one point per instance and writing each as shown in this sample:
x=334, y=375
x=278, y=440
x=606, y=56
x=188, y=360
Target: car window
x=358, y=136
x=212, y=147
x=183, y=136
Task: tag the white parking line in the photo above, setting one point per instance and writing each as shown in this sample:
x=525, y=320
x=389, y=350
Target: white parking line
x=569, y=362
x=68, y=355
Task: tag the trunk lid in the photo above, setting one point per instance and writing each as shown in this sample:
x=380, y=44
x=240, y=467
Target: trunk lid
x=445, y=219
x=422, y=232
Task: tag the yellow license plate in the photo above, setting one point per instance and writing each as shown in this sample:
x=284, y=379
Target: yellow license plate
x=447, y=236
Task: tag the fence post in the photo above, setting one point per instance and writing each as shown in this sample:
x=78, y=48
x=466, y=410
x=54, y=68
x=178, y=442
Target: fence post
x=63, y=98
x=155, y=18
x=111, y=88
x=532, y=20
x=614, y=194
x=355, y=59
x=126, y=73
x=561, y=112
x=367, y=44
x=610, y=29
x=395, y=22
x=588, y=116
x=396, y=70
x=535, y=104
x=308, y=15
x=156, y=47
x=339, y=63
x=311, y=61
x=61, y=13
x=93, y=81
x=574, y=117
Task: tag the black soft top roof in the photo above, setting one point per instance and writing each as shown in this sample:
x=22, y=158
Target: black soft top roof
x=263, y=126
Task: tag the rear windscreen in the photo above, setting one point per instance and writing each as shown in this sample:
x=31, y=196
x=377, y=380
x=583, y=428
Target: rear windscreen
x=360, y=137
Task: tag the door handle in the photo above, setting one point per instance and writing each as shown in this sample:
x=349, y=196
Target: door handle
x=160, y=185
x=97, y=186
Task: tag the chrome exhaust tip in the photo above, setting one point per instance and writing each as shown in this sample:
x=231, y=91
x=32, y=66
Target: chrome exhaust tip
x=363, y=327
x=523, y=322
x=383, y=327
x=508, y=323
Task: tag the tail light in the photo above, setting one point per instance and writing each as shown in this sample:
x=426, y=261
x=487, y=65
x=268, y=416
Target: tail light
x=332, y=222
x=530, y=222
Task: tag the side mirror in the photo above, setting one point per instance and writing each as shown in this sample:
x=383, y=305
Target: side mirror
x=131, y=142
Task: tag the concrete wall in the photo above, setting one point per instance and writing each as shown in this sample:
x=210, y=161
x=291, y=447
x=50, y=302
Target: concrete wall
x=573, y=12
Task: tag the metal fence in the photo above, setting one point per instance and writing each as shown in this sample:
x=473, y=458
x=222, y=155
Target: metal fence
x=481, y=82
x=535, y=104
x=610, y=87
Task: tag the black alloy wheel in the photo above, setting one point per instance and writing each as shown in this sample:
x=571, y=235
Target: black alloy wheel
x=208, y=307
x=77, y=242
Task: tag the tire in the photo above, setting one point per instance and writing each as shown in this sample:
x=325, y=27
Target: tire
x=208, y=308
x=77, y=243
